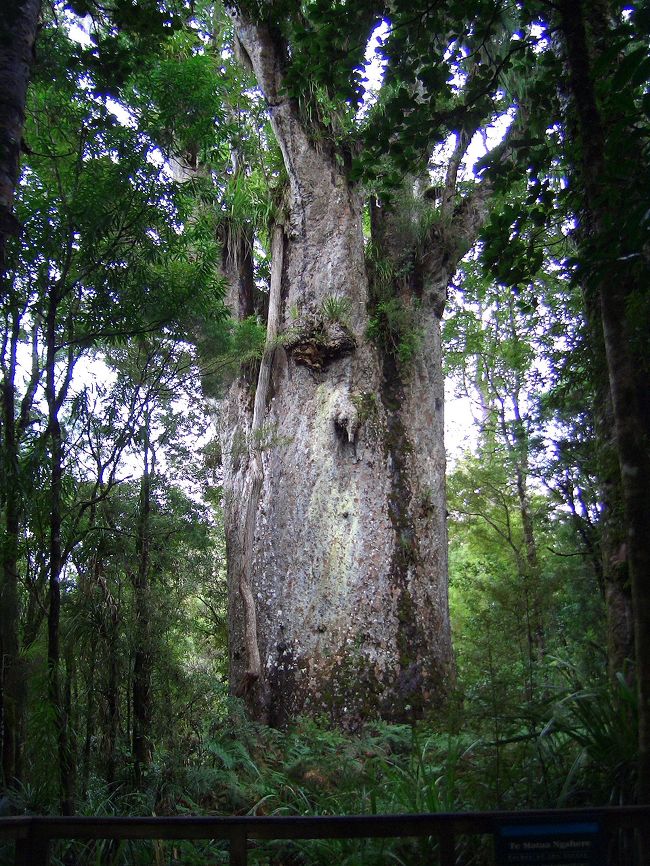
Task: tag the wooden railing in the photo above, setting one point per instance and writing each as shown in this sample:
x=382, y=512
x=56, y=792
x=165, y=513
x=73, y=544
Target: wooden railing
x=33, y=835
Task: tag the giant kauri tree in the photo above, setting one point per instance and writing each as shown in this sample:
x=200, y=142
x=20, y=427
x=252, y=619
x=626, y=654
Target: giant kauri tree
x=337, y=266
x=334, y=460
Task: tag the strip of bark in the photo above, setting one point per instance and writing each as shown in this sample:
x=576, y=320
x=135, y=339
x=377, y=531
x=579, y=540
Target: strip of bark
x=257, y=469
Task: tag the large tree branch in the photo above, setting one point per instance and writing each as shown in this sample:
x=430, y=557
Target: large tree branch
x=461, y=219
x=303, y=158
x=463, y=139
x=259, y=49
x=472, y=212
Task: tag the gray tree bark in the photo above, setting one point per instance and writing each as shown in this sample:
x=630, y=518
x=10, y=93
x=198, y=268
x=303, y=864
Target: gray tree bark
x=334, y=463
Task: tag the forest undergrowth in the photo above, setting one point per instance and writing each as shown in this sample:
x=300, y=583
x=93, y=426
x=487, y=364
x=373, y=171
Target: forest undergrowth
x=575, y=747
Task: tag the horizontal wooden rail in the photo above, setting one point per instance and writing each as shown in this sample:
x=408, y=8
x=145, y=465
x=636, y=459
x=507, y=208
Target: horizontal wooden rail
x=33, y=834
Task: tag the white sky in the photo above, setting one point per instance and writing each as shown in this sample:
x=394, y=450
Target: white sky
x=461, y=433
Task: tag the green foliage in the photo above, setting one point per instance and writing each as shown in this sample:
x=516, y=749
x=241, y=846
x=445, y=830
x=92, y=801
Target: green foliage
x=524, y=580
x=226, y=348
x=327, y=49
x=116, y=255
x=242, y=768
x=443, y=76
x=393, y=325
x=182, y=101
x=602, y=719
x=336, y=308
x=367, y=406
x=381, y=268
x=249, y=339
x=104, y=217
x=247, y=199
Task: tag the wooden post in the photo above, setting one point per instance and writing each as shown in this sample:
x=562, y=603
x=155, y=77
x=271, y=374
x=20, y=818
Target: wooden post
x=32, y=851
x=238, y=847
x=447, y=847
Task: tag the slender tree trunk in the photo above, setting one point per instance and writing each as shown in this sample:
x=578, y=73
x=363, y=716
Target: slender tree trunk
x=612, y=565
x=70, y=704
x=112, y=706
x=334, y=471
x=90, y=721
x=531, y=569
x=11, y=681
x=614, y=286
x=528, y=567
x=54, y=399
x=15, y=418
x=18, y=28
x=142, y=660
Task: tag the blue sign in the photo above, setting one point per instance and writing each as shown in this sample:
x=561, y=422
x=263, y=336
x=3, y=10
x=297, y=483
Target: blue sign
x=550, y=844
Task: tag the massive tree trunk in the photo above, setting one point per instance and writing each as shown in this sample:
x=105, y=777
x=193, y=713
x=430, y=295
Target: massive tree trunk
x=334, y=466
